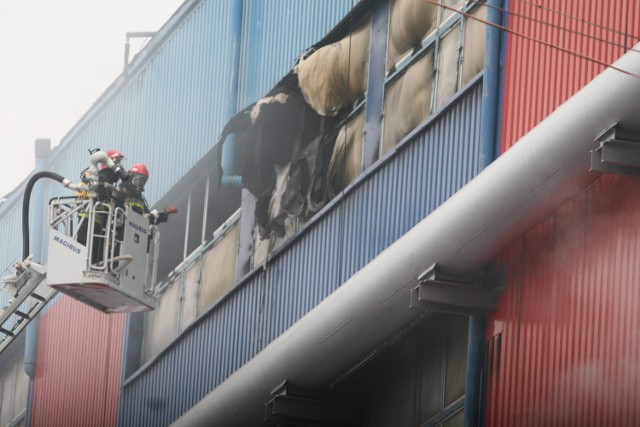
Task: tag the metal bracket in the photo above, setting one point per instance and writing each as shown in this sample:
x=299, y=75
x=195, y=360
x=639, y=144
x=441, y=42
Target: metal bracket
x=468, y=294
x=308, y=411
x=618, y=153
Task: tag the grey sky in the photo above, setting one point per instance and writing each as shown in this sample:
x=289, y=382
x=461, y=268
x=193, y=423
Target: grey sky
x=57, y=58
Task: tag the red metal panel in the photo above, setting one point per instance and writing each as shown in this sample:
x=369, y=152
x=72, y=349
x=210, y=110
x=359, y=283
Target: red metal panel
x=564, y=344
x=539, y=78
x=78, y=366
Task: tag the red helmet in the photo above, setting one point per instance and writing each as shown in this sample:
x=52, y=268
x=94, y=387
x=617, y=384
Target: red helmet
x=138, y=175
x=114, y=155
x=139, y=169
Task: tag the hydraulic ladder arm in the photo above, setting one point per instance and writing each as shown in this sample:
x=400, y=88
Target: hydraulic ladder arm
x=26, y=282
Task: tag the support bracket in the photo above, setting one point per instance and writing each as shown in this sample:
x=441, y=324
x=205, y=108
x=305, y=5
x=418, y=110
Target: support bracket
x=304, y=410
x=469, y=294
x=618, y=153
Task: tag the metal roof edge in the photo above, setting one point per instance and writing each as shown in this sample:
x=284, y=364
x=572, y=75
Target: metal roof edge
x=135, y=68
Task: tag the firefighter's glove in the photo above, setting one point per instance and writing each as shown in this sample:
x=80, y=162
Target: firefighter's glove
x=159, y=217
x=122, y=174
x=162, y=217
x=170, y=210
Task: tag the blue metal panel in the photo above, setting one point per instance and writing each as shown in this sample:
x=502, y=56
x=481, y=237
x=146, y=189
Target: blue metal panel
x=174, y=98
x=270, y=51
x=169, y=109
x=161, y=107
x=303, y=276
x=11, y=232
x=207, y=353
x=428, y=167
x=166, y=112
x=425, y=170
x=401, y=189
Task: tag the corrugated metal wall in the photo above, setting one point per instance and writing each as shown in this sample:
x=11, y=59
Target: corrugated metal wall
x=186, y=371
x=354, y=229
x=539, y=78
x=429, y=169
x=78, y=366
x=565, y=341
x=564, y=344
x=14, y=384
x=159, y=114
x=199, y=283
x=11, y=247
x=168, y=111
x=270, y=51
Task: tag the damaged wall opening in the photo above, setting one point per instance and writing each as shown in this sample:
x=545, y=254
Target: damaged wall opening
x=303, y=143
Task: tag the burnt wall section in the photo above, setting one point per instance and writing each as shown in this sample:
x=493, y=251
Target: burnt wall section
x=334, y=76
x=432, y=163
x=291, y=143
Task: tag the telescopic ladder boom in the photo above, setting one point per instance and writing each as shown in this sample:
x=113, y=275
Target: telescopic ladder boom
x=26, y=281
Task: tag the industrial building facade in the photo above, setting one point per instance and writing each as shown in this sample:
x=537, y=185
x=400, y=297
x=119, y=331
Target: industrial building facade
x=454, y=254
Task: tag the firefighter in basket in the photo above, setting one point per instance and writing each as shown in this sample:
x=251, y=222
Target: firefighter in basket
x=105, y=188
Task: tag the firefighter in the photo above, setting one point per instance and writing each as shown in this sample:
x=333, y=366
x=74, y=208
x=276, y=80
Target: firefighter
x=130, y=191
x=130, y=194
x=107, y=178
x=107, y=174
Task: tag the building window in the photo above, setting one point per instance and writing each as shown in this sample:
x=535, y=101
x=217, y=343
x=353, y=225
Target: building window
x=431, y=53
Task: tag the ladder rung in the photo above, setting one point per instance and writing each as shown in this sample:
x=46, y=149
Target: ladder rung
x=6, y=332
x=38, y=297
x=23, y=315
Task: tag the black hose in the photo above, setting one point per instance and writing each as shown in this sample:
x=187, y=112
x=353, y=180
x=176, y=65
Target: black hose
x=25, y=206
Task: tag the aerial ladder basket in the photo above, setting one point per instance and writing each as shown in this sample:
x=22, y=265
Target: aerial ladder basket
x=100, y=253
x=113, y=268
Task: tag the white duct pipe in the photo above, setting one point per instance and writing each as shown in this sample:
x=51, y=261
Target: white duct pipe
x=546, y=167
x=99, y=157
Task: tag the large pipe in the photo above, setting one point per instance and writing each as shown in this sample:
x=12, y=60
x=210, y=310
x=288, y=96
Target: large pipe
x=547, y=167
